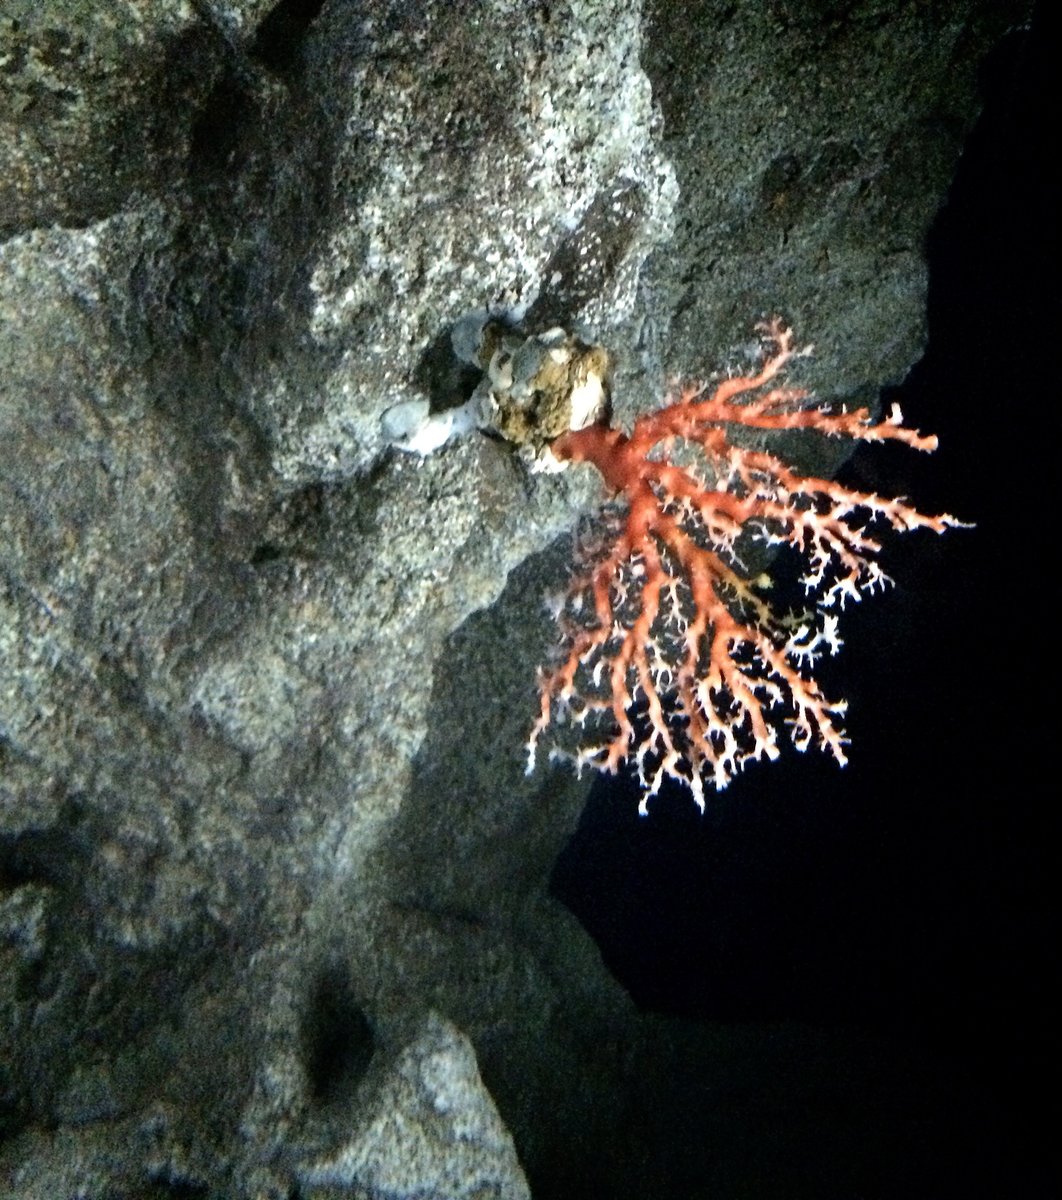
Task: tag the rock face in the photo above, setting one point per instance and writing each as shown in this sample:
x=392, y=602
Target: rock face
x=273, y=886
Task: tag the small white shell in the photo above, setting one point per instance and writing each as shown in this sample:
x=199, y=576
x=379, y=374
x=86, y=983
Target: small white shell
x=412, y=426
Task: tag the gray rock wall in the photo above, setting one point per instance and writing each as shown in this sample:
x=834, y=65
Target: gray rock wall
x=266, y=845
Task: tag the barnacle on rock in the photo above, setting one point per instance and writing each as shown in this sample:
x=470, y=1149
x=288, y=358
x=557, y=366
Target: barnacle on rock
x=533, y=388
x=536, y=388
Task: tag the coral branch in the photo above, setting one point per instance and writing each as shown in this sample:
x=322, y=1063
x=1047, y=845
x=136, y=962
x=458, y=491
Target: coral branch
x=671, y=658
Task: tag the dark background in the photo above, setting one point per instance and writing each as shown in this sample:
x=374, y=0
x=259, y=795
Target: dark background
x=908, y=894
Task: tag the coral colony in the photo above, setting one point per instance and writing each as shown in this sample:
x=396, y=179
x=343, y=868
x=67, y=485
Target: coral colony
x=671, y=658
x=668, y=650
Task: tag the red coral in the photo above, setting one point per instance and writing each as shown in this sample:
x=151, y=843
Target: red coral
x=668, y=649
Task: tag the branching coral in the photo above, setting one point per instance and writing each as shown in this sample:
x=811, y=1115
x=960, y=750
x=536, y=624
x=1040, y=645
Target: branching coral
x=671, y=657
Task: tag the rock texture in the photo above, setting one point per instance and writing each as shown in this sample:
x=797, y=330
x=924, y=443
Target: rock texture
x=273, y=887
